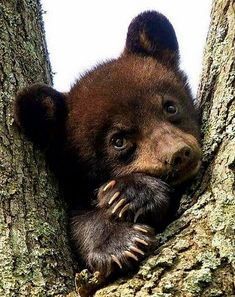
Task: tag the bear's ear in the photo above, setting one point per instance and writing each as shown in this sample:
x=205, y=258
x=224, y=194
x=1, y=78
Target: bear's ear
x=151, y=34
x=40, y=111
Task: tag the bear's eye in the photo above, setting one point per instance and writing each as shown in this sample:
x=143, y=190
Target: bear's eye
x=119, y=142
x=170, y=108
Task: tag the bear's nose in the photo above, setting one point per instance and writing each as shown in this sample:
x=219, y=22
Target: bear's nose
x=181, y=156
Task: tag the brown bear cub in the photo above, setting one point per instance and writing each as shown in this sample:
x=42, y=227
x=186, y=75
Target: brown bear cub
x=119, y=141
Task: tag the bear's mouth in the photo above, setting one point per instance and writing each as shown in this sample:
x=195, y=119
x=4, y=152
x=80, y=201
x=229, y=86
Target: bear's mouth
x=174, y=177
x=177, y=177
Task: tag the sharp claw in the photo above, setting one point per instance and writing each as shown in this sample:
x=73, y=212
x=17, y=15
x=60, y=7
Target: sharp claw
x=141, y=241
x=124, y=209
x=109, y=185
x=138, y=213
x=115, y=259
x=118, y=205
x=139, y=228
x=131, y=255
x=135, y=249
x=113, y=197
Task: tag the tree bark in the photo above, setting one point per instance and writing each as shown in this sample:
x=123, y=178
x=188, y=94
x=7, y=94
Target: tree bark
x=35, y=259
x=196, y=253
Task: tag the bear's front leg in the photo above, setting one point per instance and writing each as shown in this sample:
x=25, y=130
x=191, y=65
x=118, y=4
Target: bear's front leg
x=136, y=197
x=106, y=246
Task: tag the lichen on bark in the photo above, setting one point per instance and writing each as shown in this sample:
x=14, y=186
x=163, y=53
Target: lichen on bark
x=35, y=259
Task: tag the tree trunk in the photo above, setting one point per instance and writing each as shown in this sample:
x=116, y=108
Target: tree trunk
x=196, y=253
x=35, y=259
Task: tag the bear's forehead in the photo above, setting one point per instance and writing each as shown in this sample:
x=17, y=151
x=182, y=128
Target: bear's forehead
x=124, y=90
x=124, y=79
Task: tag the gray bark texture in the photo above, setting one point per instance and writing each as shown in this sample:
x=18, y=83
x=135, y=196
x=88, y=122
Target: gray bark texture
x=196, y=253
x=35, y=259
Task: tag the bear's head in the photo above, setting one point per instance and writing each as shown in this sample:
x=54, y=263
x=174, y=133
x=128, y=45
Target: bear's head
x=131, y=114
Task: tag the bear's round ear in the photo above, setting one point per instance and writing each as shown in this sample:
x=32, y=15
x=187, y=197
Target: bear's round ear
x=40, y=111
x=151, y=34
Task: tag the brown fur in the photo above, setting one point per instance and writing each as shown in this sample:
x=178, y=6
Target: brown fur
x=128, y=92
x=145, y=42
x=114, y=194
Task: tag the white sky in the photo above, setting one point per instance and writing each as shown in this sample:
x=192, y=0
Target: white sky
x=81, y=34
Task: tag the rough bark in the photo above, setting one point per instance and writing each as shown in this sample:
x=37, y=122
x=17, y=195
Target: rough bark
x=35, y=258
x=196, y=254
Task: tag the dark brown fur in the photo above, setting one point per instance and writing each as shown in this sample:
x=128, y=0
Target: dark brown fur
x=126, y=100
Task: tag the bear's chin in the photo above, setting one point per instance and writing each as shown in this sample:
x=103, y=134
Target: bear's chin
x=185, y=175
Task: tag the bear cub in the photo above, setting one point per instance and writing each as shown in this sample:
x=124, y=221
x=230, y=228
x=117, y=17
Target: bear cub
x=119, y=141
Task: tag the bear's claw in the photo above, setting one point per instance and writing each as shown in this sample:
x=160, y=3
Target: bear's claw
x=115, y=259
x=123, y=198
x=109, y=185
x=120, y=203
x=144, y=242
x=113, y=198
x=125, y=208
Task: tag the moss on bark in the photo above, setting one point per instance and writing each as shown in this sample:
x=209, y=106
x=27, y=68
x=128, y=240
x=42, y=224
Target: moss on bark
x=35, y=258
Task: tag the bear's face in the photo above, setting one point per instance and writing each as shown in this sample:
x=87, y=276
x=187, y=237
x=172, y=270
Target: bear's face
x=134, y=114
x=131, y=114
